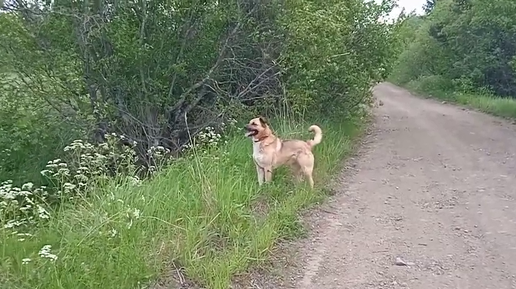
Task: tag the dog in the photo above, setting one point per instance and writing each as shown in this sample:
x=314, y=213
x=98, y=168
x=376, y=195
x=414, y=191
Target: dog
x=270, y=152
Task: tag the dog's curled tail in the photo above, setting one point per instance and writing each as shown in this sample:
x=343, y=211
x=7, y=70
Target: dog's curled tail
x=317, y=137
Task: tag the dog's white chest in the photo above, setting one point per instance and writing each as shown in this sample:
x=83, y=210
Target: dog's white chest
x=257, y=153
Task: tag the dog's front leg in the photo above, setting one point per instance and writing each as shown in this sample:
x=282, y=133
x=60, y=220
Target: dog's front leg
x=268, y=174
x=261, y=174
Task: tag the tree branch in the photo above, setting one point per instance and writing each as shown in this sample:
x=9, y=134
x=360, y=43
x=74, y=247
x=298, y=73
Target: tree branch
x=220, y=58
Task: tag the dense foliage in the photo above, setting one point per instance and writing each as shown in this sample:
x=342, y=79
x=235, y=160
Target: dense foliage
x=159, y=72
x=465, y=45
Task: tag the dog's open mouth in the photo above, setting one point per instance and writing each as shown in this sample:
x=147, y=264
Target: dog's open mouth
x=251, y=132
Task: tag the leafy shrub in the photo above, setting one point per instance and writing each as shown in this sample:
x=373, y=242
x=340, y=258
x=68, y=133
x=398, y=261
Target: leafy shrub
x=161, y=72
x=333, y=52
x=87, y=167
x=431, y=84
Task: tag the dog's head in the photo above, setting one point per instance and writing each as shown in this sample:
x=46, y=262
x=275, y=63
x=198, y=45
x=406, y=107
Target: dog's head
x=256, y=127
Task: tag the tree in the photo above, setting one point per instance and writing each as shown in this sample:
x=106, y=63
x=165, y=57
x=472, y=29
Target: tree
x=161, y=71
x=429, y=6
x=469, y=43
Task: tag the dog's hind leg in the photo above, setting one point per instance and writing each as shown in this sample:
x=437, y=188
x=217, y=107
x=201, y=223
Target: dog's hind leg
x=306, y=163
x=308, y=173
x=296, y=172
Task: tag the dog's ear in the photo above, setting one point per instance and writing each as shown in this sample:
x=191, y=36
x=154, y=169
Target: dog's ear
x=263, y=121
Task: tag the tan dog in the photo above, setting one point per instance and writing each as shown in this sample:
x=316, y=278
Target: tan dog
x=270, y=152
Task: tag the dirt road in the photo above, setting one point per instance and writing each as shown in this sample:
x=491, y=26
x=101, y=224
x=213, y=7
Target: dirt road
x=434, y=188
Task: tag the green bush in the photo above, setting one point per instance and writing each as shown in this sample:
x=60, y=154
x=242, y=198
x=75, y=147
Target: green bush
x=432, y=85
x=460, y=51
x=470, y=43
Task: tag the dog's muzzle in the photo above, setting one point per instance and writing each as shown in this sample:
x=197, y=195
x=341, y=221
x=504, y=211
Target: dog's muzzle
x=250, y=131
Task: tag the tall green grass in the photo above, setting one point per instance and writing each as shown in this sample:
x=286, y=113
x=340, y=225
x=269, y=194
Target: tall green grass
x=436, y=87
x=204, y=213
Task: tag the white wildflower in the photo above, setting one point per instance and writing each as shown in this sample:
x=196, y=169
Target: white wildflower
x=27, y=186
x=136, y=213
x=42, y=212
x=24, y=193
x=68, y=187
x=21, y=235
x=45, y=252
x=13, y=223
x=45, y=173
x=135, y=181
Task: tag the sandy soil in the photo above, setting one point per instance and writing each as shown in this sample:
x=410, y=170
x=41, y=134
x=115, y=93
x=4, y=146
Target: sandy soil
x=429, y=202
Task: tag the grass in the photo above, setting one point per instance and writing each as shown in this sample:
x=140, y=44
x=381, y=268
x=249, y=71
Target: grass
x=485, y=102
x=204, y=213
